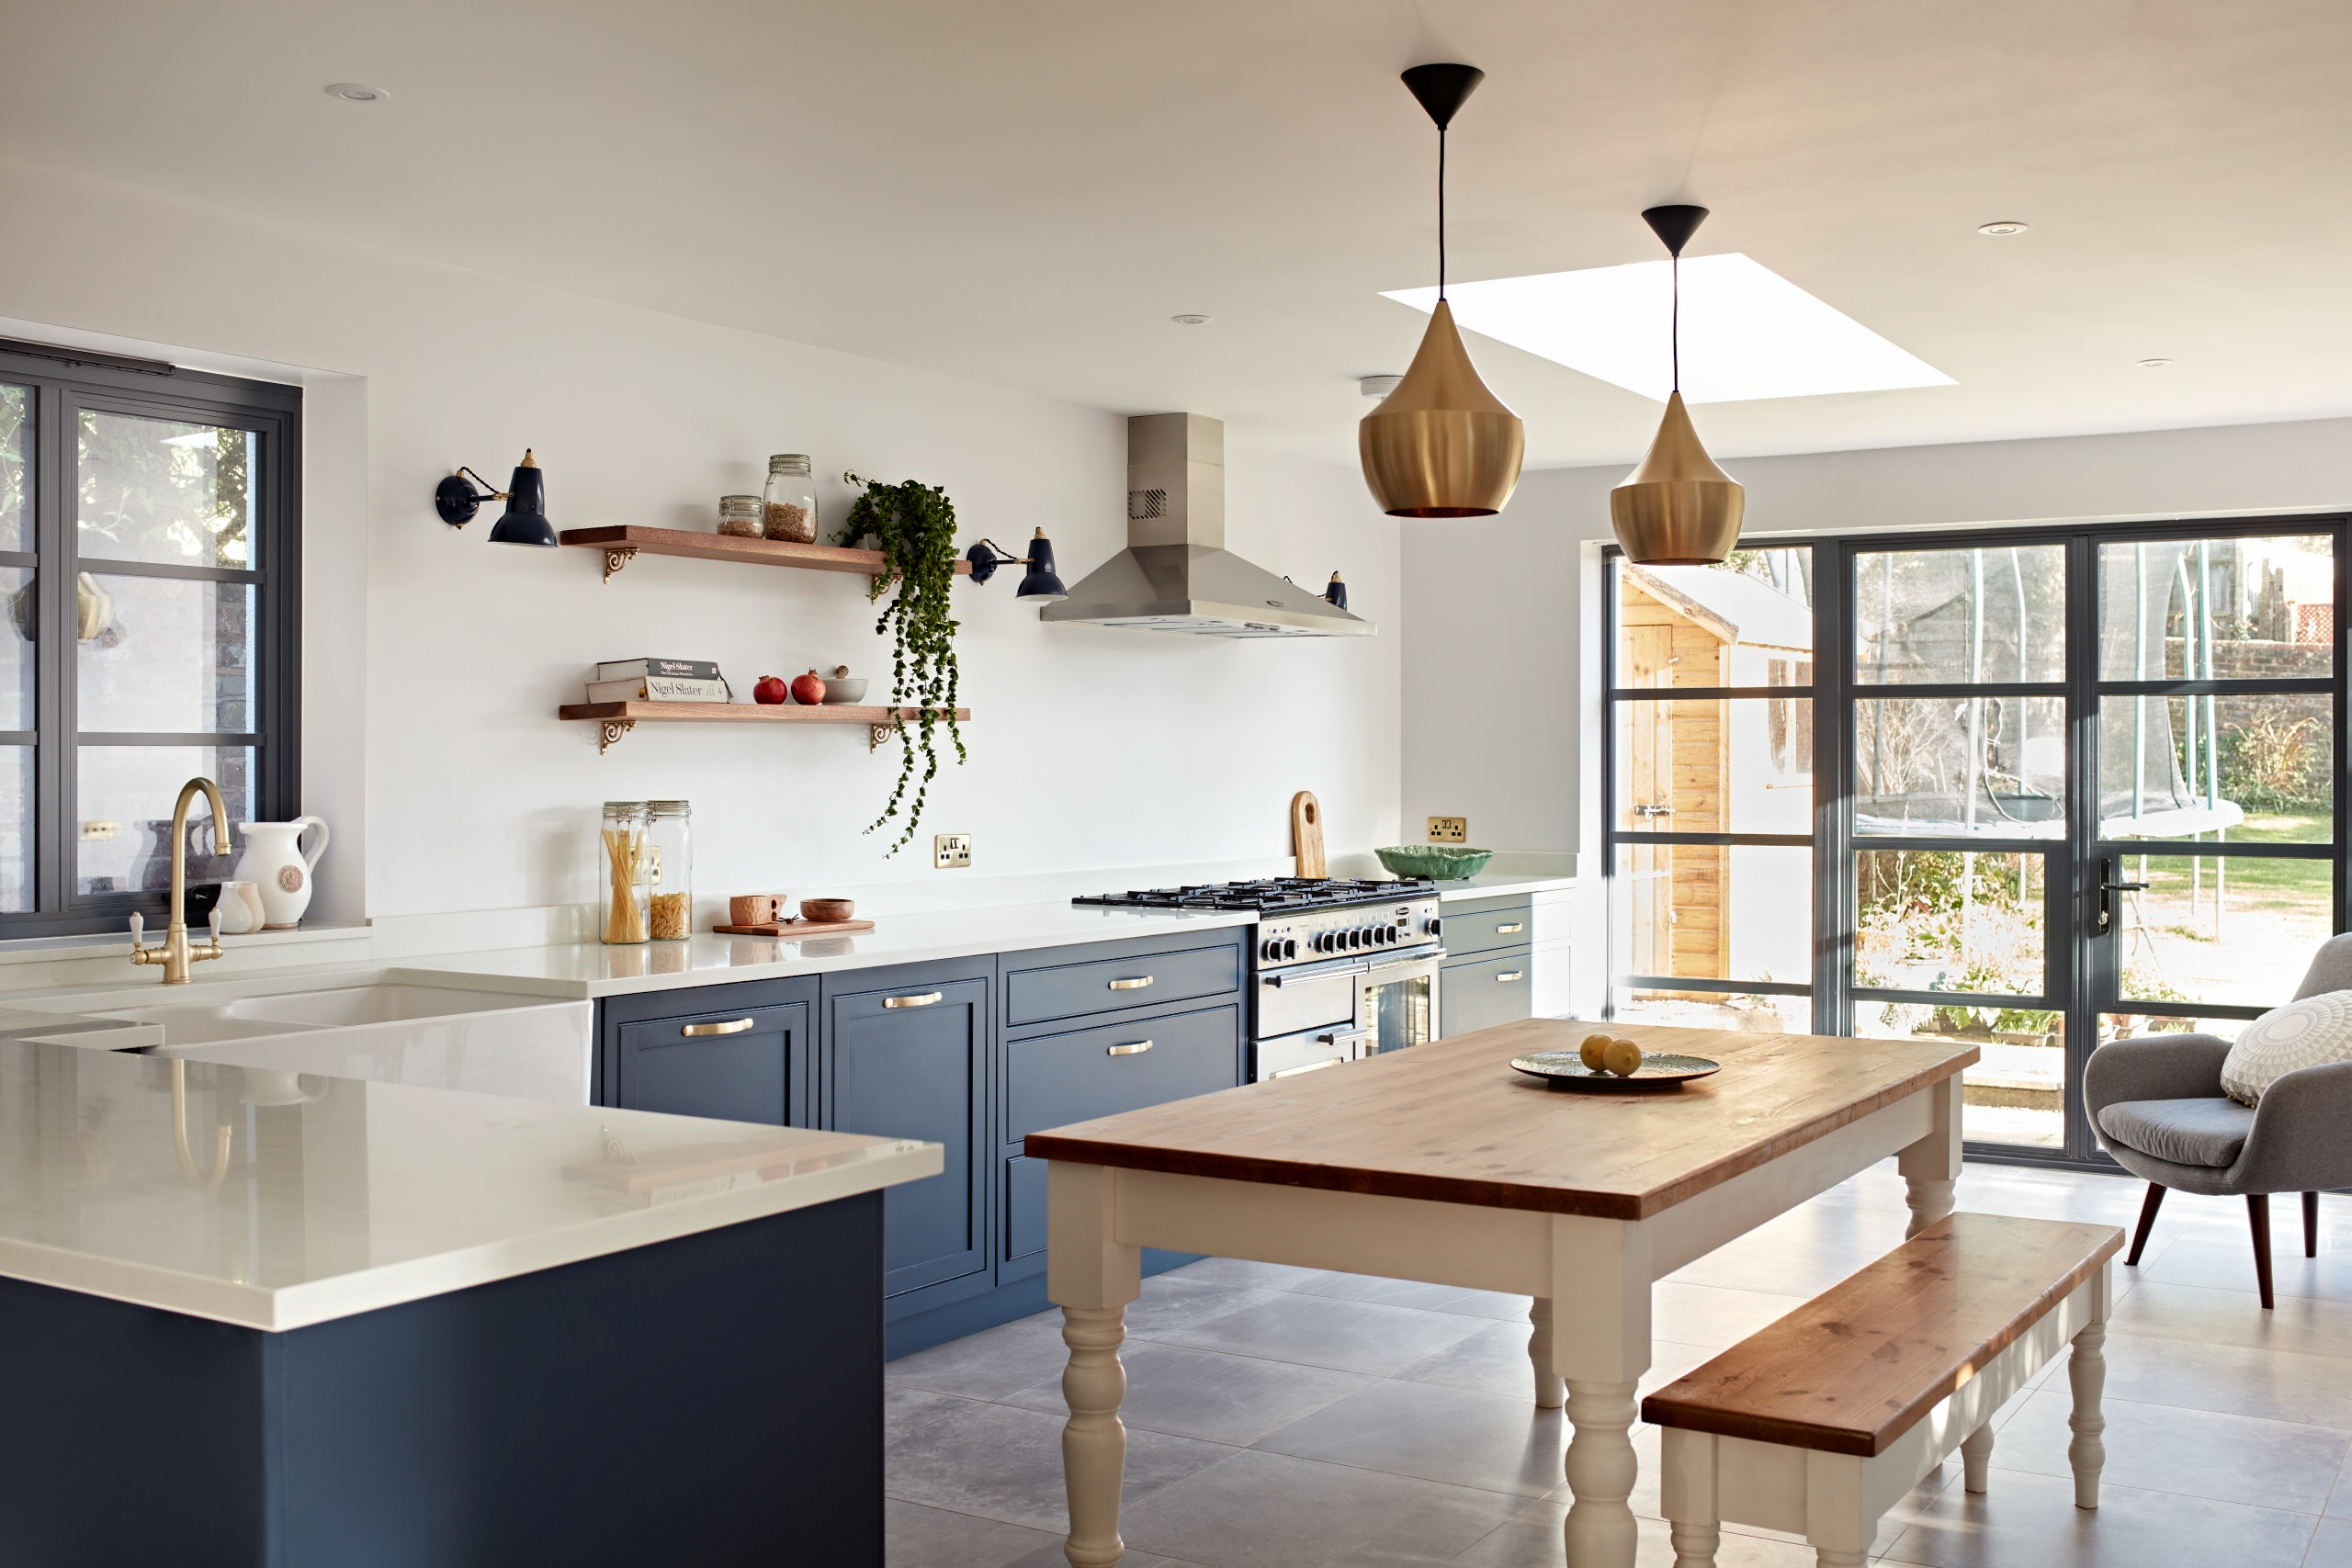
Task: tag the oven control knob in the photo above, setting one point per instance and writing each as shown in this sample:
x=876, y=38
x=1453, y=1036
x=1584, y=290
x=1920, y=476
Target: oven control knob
x=1290, y=947
x=1387, y=934
x=1325, y=942
x=1355, y=937
x=1431, y=925
x=1377, y=936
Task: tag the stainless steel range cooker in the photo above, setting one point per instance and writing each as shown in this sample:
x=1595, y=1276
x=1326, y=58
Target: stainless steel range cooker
x=1339, y=969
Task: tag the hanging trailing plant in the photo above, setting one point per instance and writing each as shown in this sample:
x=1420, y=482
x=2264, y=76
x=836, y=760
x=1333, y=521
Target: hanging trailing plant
x=913, y=524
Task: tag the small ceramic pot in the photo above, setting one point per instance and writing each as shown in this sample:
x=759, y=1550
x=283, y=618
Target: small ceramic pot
x=825, y=909
x=757, y=908
x=844, y=688
x=241, y=908
x=276, y=865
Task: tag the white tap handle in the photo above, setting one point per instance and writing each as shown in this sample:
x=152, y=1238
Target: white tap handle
x=138, y=929
x=216, y=925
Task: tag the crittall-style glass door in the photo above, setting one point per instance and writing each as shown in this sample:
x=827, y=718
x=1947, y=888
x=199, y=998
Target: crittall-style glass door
x=2068, y=786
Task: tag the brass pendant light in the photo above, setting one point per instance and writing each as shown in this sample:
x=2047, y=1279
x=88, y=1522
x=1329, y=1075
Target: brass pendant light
x=1442, y=444
x=1678, y=508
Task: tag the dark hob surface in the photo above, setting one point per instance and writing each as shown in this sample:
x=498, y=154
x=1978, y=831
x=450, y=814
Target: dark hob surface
x=1274, y=895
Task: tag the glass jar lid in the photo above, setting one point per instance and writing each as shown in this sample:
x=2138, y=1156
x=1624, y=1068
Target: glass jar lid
x=789, y=463
x=670, y=807
x=624, y=808
x=738, y=503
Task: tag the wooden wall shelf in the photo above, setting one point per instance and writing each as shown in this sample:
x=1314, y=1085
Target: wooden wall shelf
x=617, y=719
x=624, y=545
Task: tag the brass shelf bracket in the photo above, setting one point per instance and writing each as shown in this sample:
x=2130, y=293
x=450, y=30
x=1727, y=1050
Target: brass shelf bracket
x=609, y=731
x=617, y=557
x=880, y=735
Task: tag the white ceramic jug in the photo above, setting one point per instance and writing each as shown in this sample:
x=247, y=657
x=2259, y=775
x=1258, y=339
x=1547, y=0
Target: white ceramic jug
x=275, y=864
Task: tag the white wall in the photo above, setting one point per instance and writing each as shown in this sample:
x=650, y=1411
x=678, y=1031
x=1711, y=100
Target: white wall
x=1502, y=659
x=435, y=660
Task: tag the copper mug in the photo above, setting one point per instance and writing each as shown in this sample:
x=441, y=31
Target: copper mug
x=758, y=909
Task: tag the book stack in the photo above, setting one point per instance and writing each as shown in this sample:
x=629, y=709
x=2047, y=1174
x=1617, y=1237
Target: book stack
x=659, y=681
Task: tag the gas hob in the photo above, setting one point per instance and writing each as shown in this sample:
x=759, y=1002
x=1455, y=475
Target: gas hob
x=1310, y=920
x=1269, y=895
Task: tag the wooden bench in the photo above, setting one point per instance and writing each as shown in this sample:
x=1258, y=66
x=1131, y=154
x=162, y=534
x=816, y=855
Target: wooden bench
x=1820, y=1423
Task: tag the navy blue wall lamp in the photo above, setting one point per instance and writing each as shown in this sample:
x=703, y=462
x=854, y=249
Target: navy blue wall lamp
x=1039, y=587
x=526, y=496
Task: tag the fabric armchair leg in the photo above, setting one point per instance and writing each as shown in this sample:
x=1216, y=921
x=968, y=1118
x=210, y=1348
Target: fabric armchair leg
x=2310, y=1224
x=2258, y=1213
x=2148, y=1208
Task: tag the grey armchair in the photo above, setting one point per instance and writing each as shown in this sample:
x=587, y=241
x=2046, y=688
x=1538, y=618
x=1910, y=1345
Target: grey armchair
x=2159, y=1106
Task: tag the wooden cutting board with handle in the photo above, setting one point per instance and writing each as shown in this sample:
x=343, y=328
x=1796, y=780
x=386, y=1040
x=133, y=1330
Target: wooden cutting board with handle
x=1306, y=834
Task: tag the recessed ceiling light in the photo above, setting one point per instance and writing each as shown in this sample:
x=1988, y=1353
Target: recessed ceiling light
x=356, y=93
x=1190, y=321
x=2155, y=365
x=2005, y=226
x=1377, y=386
x=1747, y=332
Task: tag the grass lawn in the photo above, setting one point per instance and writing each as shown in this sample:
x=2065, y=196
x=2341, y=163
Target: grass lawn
x=2256, y=884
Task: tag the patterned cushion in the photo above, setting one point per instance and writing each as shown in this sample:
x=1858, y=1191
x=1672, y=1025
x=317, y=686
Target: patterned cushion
x=2301, y=1035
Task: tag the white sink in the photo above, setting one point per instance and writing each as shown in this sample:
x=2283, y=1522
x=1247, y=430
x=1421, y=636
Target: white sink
x=389, y=1032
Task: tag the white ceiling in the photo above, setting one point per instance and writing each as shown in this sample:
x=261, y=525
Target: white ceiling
x=1023, y=193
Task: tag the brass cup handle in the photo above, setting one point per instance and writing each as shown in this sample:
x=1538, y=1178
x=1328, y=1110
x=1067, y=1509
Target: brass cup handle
x=1134, y=1048
x=1515, y=926
x=1507, y=976
x=924, y=1000
x=1136, y=983
x=732, y=1026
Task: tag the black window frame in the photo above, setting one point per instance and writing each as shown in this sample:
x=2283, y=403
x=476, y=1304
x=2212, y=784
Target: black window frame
x=62, y=384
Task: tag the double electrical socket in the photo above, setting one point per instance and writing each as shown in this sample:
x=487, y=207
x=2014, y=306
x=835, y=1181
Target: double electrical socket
x=951, y=851
x=1449, y=829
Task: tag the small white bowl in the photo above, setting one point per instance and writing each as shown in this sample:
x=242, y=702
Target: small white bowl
x=850, y=689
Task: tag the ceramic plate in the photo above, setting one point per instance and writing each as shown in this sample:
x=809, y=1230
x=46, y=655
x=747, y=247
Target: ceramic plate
x=1566, y=1069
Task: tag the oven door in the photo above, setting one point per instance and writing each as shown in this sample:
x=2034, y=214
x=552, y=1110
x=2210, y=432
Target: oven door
x=1311, y=996
x=1398, y=1004
x=1291, y=1054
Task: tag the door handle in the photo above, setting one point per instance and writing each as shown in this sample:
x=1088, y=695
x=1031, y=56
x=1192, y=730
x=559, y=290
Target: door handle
x=1511, y=929
x=1136, y=983
x=1134, y=1048
x=1507, y=976
x=924, y=1000
x=2108, y=888
x=732, y=1026
x=1310, y=1067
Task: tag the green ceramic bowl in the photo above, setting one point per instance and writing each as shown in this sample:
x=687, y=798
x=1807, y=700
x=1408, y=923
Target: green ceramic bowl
x=1443, y=861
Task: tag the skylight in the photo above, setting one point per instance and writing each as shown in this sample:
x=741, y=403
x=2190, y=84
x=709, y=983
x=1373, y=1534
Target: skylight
x=1746, y=330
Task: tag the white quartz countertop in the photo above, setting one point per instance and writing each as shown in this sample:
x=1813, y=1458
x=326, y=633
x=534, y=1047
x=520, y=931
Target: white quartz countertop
x=593, y=969
x=260, y=1199
x=1494, y=883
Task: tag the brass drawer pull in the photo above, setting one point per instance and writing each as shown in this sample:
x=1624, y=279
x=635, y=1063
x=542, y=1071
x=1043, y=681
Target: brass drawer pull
x=1507, y=976
x=924, y=1000
x=732, y=1026
x=1511, y=929
x=1136, y=1048
x=1135, y=985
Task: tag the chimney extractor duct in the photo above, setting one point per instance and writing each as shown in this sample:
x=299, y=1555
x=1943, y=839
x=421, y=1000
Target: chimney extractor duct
x=1176, y=574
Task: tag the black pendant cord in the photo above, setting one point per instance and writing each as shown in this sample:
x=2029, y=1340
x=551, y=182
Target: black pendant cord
x=1674, y=318
x=1441, y=212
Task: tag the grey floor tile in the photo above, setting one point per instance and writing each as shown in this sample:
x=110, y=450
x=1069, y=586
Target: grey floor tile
x=2298, y=1324
x=1535, y=1540
x=2274, y=1385
x=1242, y=1271
x=1170, y=1302
x=987, y=1365
x=1254, y=1509
x=1710, y=1314
x=1465, y=1438
x=2339, y=1502
x=917, y=1537
x=2030, y=1521
x=1491, y=1359
x=1498, y=1305
x=2331, y=1545
x=1329, y=1331
x=1205, y=1394
x=1053, y=1557
x=2228, y=1265
x=2156, y=1448
x=998, y=1462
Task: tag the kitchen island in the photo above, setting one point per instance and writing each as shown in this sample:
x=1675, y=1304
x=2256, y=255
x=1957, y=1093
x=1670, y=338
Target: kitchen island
x=266, y=1321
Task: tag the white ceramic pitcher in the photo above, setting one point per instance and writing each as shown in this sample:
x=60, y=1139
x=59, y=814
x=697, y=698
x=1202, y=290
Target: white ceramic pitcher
x=280, y=873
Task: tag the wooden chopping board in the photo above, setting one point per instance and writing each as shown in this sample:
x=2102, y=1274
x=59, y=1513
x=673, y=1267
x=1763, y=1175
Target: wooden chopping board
x=1306, y=834
x=796, y=928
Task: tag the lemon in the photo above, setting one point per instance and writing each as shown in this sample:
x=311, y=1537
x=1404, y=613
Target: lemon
x=1595, y=1047
x=1622, y=1057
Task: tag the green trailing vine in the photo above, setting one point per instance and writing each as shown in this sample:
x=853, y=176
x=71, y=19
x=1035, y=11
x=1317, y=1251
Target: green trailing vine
x=914, y=525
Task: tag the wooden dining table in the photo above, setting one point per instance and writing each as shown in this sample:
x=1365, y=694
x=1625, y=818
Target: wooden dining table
x=1444, y=1164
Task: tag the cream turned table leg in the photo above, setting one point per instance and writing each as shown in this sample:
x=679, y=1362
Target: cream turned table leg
x=1976, y=1459
x=1550, y=1391
x=1828, y=1557
x=1931, y=1166
x=1092, y=1278
x=1686, y=1489
x=1600, y=1296
x=2087, y=1372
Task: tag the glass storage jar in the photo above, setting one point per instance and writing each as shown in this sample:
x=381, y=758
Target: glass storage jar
x=670, y=854
x=790, y=503
x=622, y=872
x=740, y=515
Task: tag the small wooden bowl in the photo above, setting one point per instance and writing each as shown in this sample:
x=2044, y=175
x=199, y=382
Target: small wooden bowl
x=757, y=908
x=827, y=910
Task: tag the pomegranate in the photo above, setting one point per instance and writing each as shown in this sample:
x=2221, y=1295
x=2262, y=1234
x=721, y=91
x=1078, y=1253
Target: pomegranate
x=808, y=688
x=772, y=690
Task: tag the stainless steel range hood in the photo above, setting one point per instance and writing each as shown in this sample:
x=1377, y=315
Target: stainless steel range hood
x=1176, y=574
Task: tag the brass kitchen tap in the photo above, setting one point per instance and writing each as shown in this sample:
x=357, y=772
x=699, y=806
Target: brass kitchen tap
x=174, y=954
